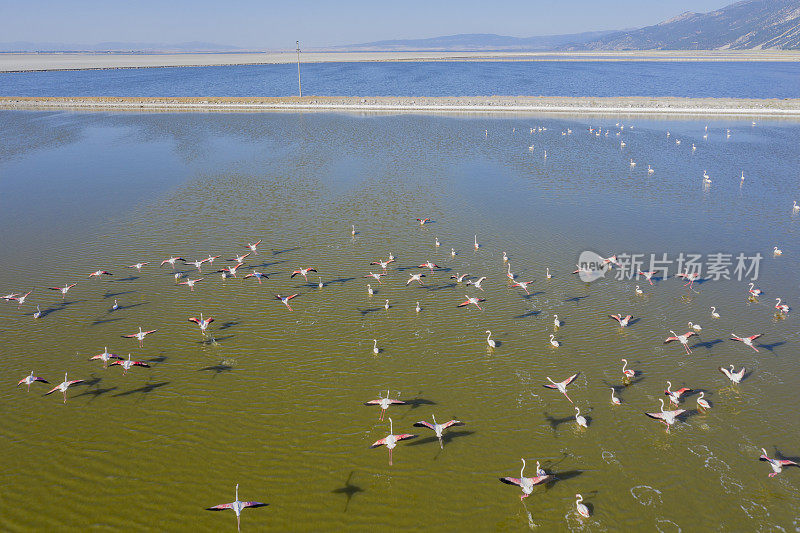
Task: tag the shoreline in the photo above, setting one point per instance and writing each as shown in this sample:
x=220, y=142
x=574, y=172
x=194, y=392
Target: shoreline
x=42, y=62
x=668, y=106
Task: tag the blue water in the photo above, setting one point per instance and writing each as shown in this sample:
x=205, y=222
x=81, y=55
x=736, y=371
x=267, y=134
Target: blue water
x=457, y=78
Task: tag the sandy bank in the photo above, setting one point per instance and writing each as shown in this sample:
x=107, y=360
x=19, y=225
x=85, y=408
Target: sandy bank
x=494, y=104
x=13, y=62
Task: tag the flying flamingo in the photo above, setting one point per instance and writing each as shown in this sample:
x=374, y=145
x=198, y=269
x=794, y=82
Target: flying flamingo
x=99, y=273
x=580, y=507
x=782, y=308
x=138, y=266
x=376, y=276
x=429, y=265
x=140, y=336
x=126, y=364
x=63, y=386
x=623, y=321
x=423, y=221
x=489, y=340
x=627, y=372
x=21, y=298
x=683, y=339
x=581, y=421
x=416, y=277
x=476, y=283
x=210, y=259
x=254, y=246
x=776, y=464
x=384, y=402
x=525, y=483
x=190, y=282
x=473, y=301
x=701, y=403
x=668, y=417
x=256, y=274
x=648, y=275
x=303, y=272
x=614, y=399
x=390, y=440
x=561, y=386
x=63, y=289
x=675, y=396
x=27, y=380
x=231, y=270
x=285, y=300
x=202, y=322
x=459, y=277
x=523, y=284
x=240, y=258
x=747, y=341
x=438, y=428
x=236, y=506
x=691, y=276
x=105, y=357
x=171, y=261
x=197, y=264
x=9, y=297
x=735, y=377
x=383, y=264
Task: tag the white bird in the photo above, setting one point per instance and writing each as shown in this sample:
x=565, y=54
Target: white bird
x=579, y=418
x=695, y=327
x=554, y=342
x=777, y=251
x=638, y=290
x=580, y=507
x=548, y=275
x=452, y=252
x=38, y=312
x=650, y=169
x=556, y=322
x=369, y=289
x=735, y=377
x=795, y=207
x=525, y=483
x=614, y=399
x=476, y=283
x=375, y=349
x=668, y=417
x=386, y=305
x=701, y=403
x=714, y=313
x=236, y=506
x=417, y=308
x=489, y=340
x=475, y=243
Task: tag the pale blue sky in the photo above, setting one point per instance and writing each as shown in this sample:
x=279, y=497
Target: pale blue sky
x=276, y=25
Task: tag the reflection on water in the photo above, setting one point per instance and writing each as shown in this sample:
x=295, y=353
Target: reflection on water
x=273, y=399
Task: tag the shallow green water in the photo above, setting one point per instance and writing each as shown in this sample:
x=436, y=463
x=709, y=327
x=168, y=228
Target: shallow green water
x=275, y=402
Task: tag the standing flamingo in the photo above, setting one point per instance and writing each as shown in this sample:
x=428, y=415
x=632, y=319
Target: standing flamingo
x=561, y=386
x=489, y=340
x=627, y=372
x=581, y=421
x=27, y=380
x=735, y=377
x=580, y=507
x=384, y=402
x=63, y=386
x=390, y=440
x=714, y=313
x=236, y=506
x=701, y=403
x=525, y=483
x=782, y=308
x=438, y=428
x=140, y=336
x=776, y=464
x=747, y=341
x=553, y=342
x=675, y=396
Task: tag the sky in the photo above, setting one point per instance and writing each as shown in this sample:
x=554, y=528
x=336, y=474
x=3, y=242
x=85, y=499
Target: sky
x=272, y=25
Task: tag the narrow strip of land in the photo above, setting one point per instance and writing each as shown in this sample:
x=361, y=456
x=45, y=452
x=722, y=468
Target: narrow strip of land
x=455, y=104
x=24, y=62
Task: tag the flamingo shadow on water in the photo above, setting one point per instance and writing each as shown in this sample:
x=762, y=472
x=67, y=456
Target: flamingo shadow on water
x=440, y=287
x=108, y=295
x=216, y=369
x=526, y=314
x=365, y=312
x=94, y=393
x=446, y=437
x=531, y=295
x=575, y=299
x=214, y=340
x=562, y=476
x=771, y=347
x=416, y=402
x=229, y=324
x=146, y=389
x=285, y=250
x=349, y=490
x=707, y=344
x=779, y=455
x=129, y=278
x=129, y=306
x=157, y=359
x=555, y=422
x=100, y=321
x=338, y=280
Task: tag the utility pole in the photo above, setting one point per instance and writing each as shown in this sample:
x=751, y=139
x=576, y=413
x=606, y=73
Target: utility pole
x=299, y=86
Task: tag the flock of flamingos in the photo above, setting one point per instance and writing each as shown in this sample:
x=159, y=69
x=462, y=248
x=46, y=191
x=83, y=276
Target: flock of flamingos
x=669, y=413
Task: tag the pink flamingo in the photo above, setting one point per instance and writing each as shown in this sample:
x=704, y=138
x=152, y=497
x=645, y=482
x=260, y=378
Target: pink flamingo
x=210, y=259
x=383, y=264
x=523, y=285
x=376, y=276
x=561, y=386
x=105, y=357
x=285, y=300
x=627, y=372
x=747, y=341
x=253, y=246
x=675, y=396
x=580, y=507
x=138, y=266
x=668, y=417
x=231, y=270
x=99, y=273
x=459, y=277
x=303, y=272
x=197, y=264
x=63, y=386
x=735, y=377
x=202, y=322
x=384, y=403
x=692, y=276
x=190, y=283
x=429, y=265
x=473, y=301
x=683, y=339
x=27, y=380
x=256, y=274
x=21, y=298
x=477, y=282
x=240, y=258
x=648, y=275
x=526, y=483
x=63, y=289
x=423, y=221
x=390, y=440
x=236, y=506
x=782, y=308
x=126, y=364
x=139, y=336
x=776, y=464
x=623, y=321
x=416, y=277
x=171, y=261
x=438, y=428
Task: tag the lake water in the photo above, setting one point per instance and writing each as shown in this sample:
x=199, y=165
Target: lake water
x=275, y=401
x=446, y=78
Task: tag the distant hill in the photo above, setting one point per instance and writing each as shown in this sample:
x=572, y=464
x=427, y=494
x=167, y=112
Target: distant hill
x=477, y=42
x=194, y=46
x=751, y=25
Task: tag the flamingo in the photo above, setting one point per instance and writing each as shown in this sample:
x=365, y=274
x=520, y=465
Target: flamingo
x=190, y=282
x=240, y=258
x=390, y=440
x=9, y=297
x=171, y=261
x=438, y=428
x=63, y=386
x=627, y=372
x=695, y=327
x=714, y=313
x=505, y=258
x=386, y=305
x=561, y=386
x=525, y=483
x=459, y=277
x=776, y=464
x=611, y=261
x=105, y=357
x=580, y=507
x=429, y=265
x=423, y=221
x=633, y=164
x=384, y=403
x=475, y=243
x=202, y=322
x=701, y=403
x=115, y=306
x=376, y=276
x=553, y=342
x=375, y=348
x=675, y=396
x=210, y=259
x=177, y=276
x=648, y=276
x=747, y=341
x=370, y=292
x=140, y=336
x=683, y=339
x=236, y=506
x=473, y=301
x=795, y=207
x=416, y=277
x=477, y=282
x=691, y=276
x=436, y=242
x=489, y=340
x=27, y=380
x=668, y=417
x=523, y=284
x=638, y=291
x=38, y=312
x=548, y=275
x=623, y=321
x=752, y=290
x=303, y=272
x=452, y=252
x=650, y=169
x=383, y=264
x=256, y=274
x=197, y=264
x=285, y=300
x=777, y=251
x=614, y=399
x=556, y=322
x=418, y=308
x=230, y=271
x=254, y=246
x=510, y=275
x=782, y=308
x=353, y=230
x=126, y=364
x=735, y=377
x=320, y=284
x=63, y=289
x=581, y=421
x=138, y=266
x=99, y=273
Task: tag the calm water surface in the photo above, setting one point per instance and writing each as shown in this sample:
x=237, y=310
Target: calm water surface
x=275, y=401
x=446, y=78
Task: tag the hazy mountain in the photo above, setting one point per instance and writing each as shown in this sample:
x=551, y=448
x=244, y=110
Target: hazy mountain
x=479, y=41
x=752, y=24
x=195, y=46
